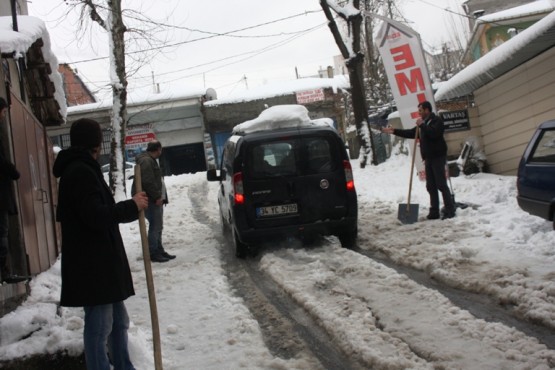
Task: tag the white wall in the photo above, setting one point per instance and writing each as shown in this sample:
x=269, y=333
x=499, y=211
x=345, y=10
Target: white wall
x=511, y=107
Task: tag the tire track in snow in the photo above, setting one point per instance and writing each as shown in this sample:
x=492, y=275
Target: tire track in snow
x=288, y=332
x=390, y=321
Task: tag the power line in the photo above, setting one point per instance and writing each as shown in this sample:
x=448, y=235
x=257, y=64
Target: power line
x=230, y=33
x=212, y=35
x=254, y=52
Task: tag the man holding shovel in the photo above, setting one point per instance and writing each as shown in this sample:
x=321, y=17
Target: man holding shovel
x=95, y=269
x=433, y=149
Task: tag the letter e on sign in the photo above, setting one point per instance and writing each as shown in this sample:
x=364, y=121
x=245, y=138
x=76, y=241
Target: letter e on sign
x=403, y=54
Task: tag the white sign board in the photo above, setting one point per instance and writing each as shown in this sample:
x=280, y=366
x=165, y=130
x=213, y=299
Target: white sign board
x=310, y=96
x=406, y=69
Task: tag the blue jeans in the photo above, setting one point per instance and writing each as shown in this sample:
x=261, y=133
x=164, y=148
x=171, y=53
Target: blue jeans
x=106, y=329
x=155, y=216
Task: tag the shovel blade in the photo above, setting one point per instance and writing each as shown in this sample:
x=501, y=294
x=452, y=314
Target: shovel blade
x=408, y=213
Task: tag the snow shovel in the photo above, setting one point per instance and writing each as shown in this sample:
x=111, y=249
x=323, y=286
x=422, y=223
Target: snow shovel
x=149, y=279
x=408, y=213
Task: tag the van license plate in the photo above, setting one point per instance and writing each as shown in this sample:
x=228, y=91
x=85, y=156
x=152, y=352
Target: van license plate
x=282, y=209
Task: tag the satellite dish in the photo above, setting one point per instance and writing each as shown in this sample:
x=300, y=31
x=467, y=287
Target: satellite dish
x=211, y=94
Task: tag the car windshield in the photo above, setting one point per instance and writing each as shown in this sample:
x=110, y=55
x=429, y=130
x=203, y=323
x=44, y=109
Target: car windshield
x=545, y=149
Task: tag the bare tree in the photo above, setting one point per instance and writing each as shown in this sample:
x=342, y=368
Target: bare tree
x=350, y=48
x=376, y=83
x=108, y=14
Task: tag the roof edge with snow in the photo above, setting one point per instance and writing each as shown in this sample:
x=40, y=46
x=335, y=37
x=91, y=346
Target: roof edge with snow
x=528, y=44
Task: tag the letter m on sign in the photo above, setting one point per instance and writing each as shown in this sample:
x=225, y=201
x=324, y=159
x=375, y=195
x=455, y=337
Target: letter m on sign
x=413, y=83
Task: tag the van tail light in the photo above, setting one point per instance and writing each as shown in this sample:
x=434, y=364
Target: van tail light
x=350, y=182
x=239, y=196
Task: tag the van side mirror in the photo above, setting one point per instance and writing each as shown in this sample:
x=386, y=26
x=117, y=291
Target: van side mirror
x=212, y=175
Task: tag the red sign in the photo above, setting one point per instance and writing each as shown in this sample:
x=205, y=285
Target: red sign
x=140, y=138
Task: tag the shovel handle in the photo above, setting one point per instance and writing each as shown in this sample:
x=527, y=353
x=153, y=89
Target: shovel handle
x=149, y=279
x=412, y=165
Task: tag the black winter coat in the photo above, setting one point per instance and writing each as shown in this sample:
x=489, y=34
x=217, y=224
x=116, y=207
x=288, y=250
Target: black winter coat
x=432, y=142
x=95, y=269
x=8, y=173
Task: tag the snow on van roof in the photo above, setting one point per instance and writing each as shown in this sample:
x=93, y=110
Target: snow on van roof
x=280, y=116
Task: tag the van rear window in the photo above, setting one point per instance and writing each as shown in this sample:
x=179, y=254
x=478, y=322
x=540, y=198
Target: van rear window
x=545, y=148
x=319, y=155
x=291, y=157
x=273, y=159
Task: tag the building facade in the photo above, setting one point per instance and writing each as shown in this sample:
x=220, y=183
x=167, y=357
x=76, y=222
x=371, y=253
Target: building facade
x=511, y=88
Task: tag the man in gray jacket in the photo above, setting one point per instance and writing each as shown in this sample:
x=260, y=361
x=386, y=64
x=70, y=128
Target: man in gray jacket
x=153, y=185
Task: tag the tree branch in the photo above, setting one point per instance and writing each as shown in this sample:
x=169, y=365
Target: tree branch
x=334, y=29
x=95, y=16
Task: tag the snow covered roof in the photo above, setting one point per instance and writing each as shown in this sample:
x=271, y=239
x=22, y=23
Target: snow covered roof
x=524, y=46
x=522, y=11
x=142, y=96
x=280, y=116
x=284, y=88
x=21, y=43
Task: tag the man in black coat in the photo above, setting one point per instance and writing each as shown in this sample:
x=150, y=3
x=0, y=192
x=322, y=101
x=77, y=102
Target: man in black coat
x=95, y=269
x=8, y=173
x=433, y=149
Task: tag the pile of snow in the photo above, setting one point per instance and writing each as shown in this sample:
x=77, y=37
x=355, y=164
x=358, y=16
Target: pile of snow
x=30, y=29
x=281, y=116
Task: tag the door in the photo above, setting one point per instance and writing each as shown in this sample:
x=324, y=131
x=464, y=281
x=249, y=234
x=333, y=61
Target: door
x=34, y=188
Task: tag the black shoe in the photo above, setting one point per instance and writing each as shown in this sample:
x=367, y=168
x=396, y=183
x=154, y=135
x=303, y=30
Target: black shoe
x=433, y=216
x=447, y=215
x=167, y=255
x=158, y=257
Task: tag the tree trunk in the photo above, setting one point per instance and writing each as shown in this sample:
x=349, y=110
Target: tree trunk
x=118, y=81
x=354, y=65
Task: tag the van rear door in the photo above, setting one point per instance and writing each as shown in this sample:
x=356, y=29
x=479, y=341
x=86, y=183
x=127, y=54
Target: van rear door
x=323, y=178
x=294, y=180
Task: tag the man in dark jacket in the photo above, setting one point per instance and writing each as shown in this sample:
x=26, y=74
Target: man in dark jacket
x=433, y=149
x=8, y=173
x=95, y=269
x=152, y=184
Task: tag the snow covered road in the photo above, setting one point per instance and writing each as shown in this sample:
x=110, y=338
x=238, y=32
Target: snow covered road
x=372, y=314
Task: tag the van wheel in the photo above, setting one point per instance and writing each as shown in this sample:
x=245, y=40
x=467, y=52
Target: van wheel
x=241, y=249
x=348, y=239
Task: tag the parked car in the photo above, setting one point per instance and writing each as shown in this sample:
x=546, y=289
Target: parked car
x=129, y=170
x=536, y=174
x=287, y=178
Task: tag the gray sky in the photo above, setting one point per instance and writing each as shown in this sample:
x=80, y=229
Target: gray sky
x=294, y=39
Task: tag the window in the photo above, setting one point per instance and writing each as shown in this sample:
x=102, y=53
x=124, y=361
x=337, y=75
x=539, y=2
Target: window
x=273, y=159
x=545, y=148
x=319, y=155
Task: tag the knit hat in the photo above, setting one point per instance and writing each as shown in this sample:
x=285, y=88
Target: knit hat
x=85, y=133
